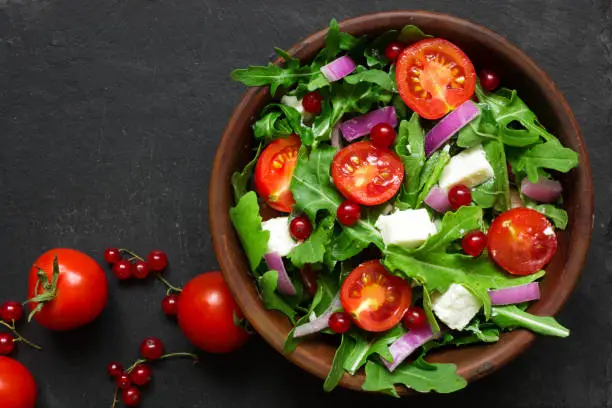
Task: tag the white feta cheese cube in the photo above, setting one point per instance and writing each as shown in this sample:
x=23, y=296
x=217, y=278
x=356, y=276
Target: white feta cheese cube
x=296, y=104
x=280, y=240
x=470, y=168
x=407, y=228
x=456, y=307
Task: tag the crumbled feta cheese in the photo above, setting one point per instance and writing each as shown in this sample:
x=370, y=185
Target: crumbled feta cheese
x=407, y=228
x=280, y=240
x=470, y=168
x=456, y=307
x=296, y=104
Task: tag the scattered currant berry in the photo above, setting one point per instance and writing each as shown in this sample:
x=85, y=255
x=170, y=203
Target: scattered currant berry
x=131, y=396
x=382, y=135
x=170, y=304
x=348, y=213
x=11, y=311
x=7, y=344
x=157, y=260
x=489, y=80
x=151, y=348
x=393, y=51
x=123, y=269
x=340, y=322
x=112, y=255
x=123, y=381
x=415, y=318
x=141, y=375
x=140, y=269
x=312, y=102
x=300, y=228
x=474, y=242
x=114, y=369
x=459, y=195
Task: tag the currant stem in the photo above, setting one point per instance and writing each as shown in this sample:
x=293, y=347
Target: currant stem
x=19, y=337
x=115, y=397
x=164, y=357
x=133, y=256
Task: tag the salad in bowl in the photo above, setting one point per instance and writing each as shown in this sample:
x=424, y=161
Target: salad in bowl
x=400, y=200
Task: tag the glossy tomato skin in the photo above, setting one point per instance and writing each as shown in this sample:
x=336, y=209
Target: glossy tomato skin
x=82, y=290
x=434, y=76
x=367, y=174
x=274, y=170
x=521, y=241
x=17, y=386
x=206, y=314
x=374, y=298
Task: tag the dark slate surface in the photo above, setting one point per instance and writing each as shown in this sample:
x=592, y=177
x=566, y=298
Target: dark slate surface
x=110, y=112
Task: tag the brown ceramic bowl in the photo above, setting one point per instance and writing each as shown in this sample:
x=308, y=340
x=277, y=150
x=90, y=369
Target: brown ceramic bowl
x=518, y=71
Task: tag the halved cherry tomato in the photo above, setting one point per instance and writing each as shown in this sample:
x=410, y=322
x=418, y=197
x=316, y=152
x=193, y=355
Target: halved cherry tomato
x=274, y=170
x=367, y=174
x=376, y=300
x=521, y=241
x=434, y=76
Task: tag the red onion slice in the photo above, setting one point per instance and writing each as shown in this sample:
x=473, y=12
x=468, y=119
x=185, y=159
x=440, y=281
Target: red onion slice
x=544, y=191
x=362, y=125
x=406, y=345
x=438, y=200
x=449, y=125
x=275, y=262
x=515, y=294
x=321, y=322
x=338, y=68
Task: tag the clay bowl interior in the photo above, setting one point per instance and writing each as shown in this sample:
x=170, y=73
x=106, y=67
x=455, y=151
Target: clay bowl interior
x=486, y=49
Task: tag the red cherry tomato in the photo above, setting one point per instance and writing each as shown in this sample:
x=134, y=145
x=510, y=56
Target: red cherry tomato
x=375, y=299
x=434, y=76
x=82, y=289
x=521, y=241
x=17, y=386
x=274, y=170
x=366, y=174
x=206, y=314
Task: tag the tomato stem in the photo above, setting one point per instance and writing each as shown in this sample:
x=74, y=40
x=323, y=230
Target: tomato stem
x=19, y=337
x=49, y=286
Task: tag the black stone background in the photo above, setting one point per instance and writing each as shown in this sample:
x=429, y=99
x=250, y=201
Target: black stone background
x=110, y=113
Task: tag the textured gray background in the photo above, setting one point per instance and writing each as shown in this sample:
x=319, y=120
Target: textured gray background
x=110, y=112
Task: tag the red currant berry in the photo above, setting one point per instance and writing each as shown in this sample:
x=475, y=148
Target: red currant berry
x=112, y=255
x=393, y=51
x=415, y=318
x=7, y=345
x=131, y=396
x=474, y=242
x=157, y=260
x=140, y=269
x=123, y=381
x=312, y=102
x=170, y=304
x=340, y=322
x=488, y=79
x=141, y=375
x=11, y=311
x=459, y=195
x=382, y=135
x=151, y=348
x=348, y=213
x=300, y=228
x=114, y=369
x=123, y=269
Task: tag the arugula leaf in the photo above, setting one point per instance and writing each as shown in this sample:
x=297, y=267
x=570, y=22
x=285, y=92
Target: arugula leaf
x=270, y=126
x=557, y=215
x=366, y=347
x=455, y=225
x=431, y=173
x=272, y=300
x=291, y=342
x=480, y=130
x=401, y=109
x=240, y=179
x=323, y=126
x=247, y=222
x=294, y=121
x=313, y=249
x=511, y=317
x=483, y=333
x=410, y=147
x=375, y=76
x=428, y=307
x=344, y=246
x=485, y=195
x=411, y=34
x=364, y=232
x=271, y=75
x=496, y=155
x=549, y=155
x=311, y=184
x=290, y=61
x=375, y=51
x=337, y=371
x=442, y=378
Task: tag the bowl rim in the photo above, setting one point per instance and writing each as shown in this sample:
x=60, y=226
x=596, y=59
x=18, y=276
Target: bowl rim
x=515, y=342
